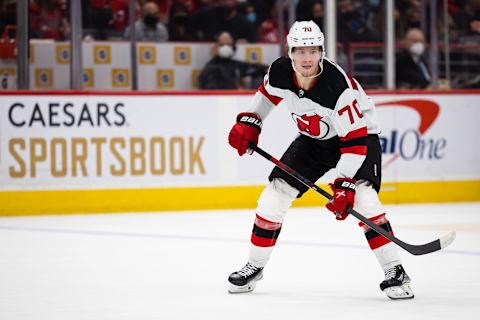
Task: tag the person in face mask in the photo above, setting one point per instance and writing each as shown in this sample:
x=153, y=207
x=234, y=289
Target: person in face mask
x=250, y=14
x=411, y=68
x=224, y=72
x=149, y=27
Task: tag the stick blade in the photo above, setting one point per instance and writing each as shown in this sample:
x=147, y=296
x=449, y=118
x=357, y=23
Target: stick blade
x=433, y=246
x=447, y=239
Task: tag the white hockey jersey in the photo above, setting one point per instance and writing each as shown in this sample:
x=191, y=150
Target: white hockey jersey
x=334, y=105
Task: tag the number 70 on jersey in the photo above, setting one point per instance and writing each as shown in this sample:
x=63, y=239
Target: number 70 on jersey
x=349, y=111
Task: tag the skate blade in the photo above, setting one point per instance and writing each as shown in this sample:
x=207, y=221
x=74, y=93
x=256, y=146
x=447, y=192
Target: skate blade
x=242, y=289
x=399, y=292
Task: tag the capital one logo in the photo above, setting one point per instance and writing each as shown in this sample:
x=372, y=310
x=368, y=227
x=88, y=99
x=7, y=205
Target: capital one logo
x=412, y=143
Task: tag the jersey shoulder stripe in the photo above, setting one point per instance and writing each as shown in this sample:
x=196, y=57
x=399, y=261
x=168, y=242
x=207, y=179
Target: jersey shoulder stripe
x=272, y=98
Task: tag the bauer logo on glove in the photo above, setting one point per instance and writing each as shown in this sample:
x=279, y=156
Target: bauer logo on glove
x=246, y=129
x=343, y=197
x=252, y=120
x=348, y=184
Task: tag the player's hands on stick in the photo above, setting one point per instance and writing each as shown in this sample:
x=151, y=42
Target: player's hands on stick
x=247, y=128
x=343, y=197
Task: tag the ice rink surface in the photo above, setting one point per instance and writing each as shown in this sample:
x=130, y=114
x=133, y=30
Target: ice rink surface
x=175, y=265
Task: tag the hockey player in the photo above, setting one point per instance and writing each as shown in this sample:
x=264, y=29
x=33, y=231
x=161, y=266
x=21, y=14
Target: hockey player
x=338, y=129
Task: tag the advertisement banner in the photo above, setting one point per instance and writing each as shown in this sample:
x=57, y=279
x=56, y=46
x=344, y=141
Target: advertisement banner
x=155, y=141
x=107, y=142
x=429, y=137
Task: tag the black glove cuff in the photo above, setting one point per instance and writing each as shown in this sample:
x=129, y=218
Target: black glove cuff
x=345, y=184
x=250, y=119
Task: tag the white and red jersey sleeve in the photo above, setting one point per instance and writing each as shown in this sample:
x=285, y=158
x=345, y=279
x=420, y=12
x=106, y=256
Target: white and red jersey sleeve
x=351, y=126
x=266, y=98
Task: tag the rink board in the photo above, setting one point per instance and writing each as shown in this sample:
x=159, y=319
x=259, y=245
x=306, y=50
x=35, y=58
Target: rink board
x=204, y=198
x=111, y=152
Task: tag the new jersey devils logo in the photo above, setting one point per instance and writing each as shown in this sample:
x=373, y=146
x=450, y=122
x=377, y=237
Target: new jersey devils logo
x=311, y=125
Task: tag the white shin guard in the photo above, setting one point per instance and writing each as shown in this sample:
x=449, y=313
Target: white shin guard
x=275, y=200
x=366, y=200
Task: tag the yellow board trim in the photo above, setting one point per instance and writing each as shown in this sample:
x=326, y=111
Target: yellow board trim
x=17, y=203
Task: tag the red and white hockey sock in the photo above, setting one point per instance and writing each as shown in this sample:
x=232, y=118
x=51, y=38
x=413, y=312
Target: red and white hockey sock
x=264, y=237
x=385, y=251
x=265, y=233
x=273, y=204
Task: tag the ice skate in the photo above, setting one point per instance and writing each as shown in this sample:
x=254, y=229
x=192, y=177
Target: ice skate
x=245, y=279
x=397, y=284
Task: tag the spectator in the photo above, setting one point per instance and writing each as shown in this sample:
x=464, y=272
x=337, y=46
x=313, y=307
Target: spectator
x=149, y=27
x=120, y=10
x=467, y=19
x=412, y=18
x=307, y=10
x=96, y=18
x=192, y=5
x=352, y=27
x=263, y=9
x=163, y=7
x=224, y=72
x=250, y=13
x=48, y=20
x=268, y=30
x=179, y=28
x=411, y=69
x=317, y=12
x=8, y=15
x=304, y=10
x=371, y=12
x=209, y=21
x=453, y=32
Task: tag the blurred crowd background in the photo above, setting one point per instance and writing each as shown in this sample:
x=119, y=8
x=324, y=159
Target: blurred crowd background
x=360, y=27
x=246, y=20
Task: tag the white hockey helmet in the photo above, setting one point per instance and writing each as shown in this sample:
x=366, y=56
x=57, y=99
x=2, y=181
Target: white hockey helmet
x=306, y=34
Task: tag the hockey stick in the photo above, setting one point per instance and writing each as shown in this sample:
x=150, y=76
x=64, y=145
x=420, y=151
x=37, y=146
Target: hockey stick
x=413, y=249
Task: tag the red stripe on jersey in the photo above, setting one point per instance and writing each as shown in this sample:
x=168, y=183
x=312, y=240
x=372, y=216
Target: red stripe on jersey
x=266, y=224
x=353, y=83
x=379, y=241
x=378, y=220
x=358, y=133
x=262, y=242
x=295, y=82
x=361, y=150
x=273, y=99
